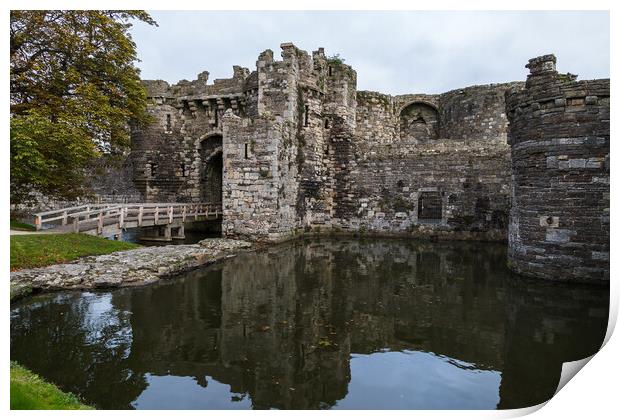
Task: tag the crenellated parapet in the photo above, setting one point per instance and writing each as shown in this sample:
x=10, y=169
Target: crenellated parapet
x=552, y=105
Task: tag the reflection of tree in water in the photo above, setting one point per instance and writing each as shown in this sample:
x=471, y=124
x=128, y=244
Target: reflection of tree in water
x=81, y=344
x=280, y=325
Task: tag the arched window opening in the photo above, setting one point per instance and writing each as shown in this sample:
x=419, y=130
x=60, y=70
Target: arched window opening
x=419, y=122
x=211, y=169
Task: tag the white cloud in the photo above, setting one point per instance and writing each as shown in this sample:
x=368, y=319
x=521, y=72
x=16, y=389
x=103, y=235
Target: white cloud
x=392, y=52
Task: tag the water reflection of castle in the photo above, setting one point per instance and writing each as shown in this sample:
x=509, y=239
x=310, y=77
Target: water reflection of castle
x=283, y=333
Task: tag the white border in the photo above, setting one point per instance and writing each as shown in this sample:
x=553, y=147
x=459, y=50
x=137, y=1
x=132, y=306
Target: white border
x=593, y=393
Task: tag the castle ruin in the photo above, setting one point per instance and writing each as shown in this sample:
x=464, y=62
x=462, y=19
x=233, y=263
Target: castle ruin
x=293, y=147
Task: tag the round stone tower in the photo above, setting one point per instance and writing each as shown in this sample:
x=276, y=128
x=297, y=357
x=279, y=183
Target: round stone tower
x=559, y=136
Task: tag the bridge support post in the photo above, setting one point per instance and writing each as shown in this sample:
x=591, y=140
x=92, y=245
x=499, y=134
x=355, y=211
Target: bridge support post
x=178, y=232
x=100, y=223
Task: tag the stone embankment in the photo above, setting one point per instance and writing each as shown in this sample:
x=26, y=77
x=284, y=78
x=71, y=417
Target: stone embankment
x=125, y=268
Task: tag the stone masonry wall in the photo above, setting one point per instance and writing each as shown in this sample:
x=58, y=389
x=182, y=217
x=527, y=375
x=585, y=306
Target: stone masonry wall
x=259, y=197
x=472, y=181
x=169, y=155
x=468, y=166
x=559, y=134
x=304, y=151
x=323, y=156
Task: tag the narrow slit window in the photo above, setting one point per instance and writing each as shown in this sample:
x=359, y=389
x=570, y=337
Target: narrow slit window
x=306, y=109
x=246, y=151
x=216, y=121
x=326, y=122
x=329, y=70
x=168, y=122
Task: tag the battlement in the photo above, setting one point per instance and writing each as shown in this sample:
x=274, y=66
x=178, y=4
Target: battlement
x=541, y=65
x=555, y=105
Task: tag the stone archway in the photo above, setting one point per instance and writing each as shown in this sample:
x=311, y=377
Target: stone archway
x=211, y=165
x=419, y=121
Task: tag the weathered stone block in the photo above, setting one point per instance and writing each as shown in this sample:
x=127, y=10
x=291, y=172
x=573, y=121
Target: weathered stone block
x=549, y=221
x=576, y=163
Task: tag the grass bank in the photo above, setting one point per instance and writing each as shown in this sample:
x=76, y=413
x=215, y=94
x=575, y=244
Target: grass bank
x=30, y=392
x=29, y=251
x=17, y=225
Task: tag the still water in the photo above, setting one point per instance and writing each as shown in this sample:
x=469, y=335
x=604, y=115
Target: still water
x=137, y=236
x=341, y=324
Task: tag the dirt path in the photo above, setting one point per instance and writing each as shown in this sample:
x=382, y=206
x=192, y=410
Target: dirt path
x=31, y=232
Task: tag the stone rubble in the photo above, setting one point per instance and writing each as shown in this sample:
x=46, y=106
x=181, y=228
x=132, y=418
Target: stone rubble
x=124, y=268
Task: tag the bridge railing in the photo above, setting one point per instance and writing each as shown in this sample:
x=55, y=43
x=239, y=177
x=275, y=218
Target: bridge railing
x=64, y=214
x=159, y=213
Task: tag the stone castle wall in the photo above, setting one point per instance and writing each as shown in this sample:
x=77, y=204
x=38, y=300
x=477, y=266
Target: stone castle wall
x=300, y=149
x=559, y=134
x=339, y=159
x=457, y=152
x=169, y=155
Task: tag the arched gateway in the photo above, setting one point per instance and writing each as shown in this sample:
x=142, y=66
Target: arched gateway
x=211, y=169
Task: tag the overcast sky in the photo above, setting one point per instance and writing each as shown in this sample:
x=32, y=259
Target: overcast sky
x=392, y=52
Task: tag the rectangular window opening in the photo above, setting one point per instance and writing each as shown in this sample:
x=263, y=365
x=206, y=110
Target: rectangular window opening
x=430, y=207
x=168, y=122
x=246, y=151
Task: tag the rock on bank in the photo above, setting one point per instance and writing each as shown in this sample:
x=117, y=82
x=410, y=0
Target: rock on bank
x=125, y=268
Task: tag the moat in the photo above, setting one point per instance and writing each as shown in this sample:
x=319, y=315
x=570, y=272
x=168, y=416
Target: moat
x=342, y=324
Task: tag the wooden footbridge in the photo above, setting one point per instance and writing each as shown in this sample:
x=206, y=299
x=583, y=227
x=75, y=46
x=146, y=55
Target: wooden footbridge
x=166, y=220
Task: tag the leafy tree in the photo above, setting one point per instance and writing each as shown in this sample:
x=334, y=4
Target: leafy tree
x=74, y=88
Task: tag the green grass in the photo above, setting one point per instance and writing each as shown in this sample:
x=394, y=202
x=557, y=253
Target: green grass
x=30, y=392
x=17, y=225
x=28, y=251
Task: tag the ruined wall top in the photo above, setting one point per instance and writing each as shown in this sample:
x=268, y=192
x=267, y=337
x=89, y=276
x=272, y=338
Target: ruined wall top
x=555, y=105
x=541, y=65
x=286, y=88
x=199, y=87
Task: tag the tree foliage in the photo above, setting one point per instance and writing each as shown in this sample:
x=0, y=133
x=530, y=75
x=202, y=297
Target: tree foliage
x=74, y=88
